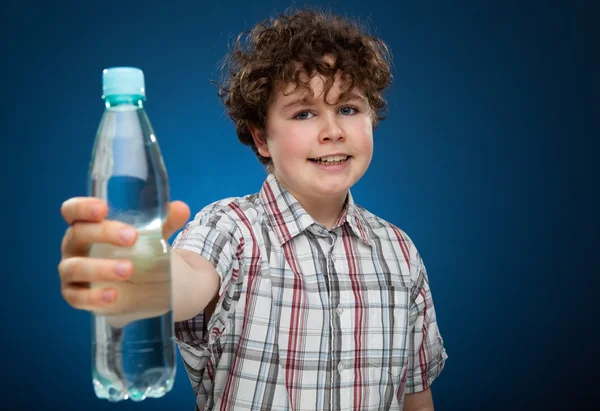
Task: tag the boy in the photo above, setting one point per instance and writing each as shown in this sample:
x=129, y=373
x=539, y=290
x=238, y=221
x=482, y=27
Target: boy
x=294, y=297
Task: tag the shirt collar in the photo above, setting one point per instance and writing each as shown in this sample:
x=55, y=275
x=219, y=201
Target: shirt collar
x=351, y=215
x=288, y=218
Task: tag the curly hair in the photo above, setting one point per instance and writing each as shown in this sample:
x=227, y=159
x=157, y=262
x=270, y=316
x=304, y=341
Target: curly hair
x=281, y=49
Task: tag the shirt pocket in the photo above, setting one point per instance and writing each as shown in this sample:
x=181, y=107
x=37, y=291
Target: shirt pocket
x=387, y=331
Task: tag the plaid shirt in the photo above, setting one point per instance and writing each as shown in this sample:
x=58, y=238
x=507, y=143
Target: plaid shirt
x=308, y=318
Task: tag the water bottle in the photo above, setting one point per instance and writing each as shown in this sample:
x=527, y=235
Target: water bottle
x=133, y=347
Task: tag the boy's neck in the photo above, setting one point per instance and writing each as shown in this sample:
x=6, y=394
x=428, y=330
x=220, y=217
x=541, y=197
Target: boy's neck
x=324, y=211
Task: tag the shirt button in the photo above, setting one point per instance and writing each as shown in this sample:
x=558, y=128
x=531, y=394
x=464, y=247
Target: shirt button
x=339, y=310
x=340, y=367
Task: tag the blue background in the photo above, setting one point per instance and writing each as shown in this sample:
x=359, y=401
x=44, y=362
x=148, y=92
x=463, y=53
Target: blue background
x=488, y=160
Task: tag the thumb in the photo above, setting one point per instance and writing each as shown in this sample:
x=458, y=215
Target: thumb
x=179, y=213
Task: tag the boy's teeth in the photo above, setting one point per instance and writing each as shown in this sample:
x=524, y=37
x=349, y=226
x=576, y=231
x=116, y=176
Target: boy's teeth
x=331, y=159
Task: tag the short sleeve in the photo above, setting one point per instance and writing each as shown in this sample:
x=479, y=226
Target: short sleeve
x=427, y=354
x=214, y=235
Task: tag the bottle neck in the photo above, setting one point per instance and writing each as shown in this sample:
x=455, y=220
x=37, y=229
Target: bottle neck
x=124, y=100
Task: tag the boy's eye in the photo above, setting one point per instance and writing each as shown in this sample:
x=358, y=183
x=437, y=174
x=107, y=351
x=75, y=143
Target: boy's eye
x=303, y=115
x=347, y=111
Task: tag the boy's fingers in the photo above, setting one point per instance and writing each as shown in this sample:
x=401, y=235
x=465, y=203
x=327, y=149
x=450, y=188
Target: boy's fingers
x=83, y=209
x=179, y=213
x=88, y=270
x=80, y=236
x=85, y=298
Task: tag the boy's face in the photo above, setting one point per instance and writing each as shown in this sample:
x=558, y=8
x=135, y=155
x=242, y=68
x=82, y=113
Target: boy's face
x=303, y=132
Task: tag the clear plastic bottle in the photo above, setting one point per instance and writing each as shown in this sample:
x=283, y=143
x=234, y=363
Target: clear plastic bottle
x=133, y=350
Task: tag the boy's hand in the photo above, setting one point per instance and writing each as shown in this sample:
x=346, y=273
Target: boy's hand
x=86, y=218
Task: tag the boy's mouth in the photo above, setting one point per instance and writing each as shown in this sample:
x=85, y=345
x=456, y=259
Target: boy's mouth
x=331, y=160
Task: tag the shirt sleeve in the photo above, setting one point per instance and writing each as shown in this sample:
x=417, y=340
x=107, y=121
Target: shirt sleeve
x=427, y=354
x=214, y=235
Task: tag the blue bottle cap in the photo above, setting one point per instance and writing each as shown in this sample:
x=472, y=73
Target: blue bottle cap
x=123, y=81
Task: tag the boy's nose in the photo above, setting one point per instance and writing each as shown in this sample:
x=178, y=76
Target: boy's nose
x=331, y=130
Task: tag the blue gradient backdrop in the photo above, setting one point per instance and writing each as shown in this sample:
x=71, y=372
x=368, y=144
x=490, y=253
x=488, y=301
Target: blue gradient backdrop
x=487, y=160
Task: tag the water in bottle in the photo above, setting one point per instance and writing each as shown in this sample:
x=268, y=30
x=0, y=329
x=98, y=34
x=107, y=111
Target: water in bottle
x=133, y=346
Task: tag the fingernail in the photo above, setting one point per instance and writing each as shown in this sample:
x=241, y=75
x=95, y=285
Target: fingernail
x=122, y=269
x=108, y=295
x=127, y=235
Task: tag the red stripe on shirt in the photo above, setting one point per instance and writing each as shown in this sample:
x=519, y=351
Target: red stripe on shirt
x=281, y=227
x=296, y=319
x=403, y=246
x=359, y=320
x=253, y=273
x=422, y=352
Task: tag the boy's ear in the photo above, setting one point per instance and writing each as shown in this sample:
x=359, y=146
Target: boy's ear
x=259, y=140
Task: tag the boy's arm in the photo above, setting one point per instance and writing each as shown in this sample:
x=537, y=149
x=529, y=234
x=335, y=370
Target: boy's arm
x=419, y=401
x=195, y=283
